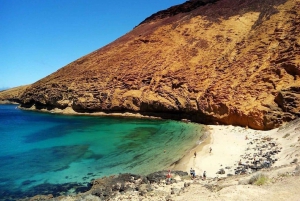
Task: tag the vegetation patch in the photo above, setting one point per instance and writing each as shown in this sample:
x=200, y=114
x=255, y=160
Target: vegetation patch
x=286, y=135
x=259, y=179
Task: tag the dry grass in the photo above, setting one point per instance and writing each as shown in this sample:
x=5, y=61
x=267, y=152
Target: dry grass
x=259, y=179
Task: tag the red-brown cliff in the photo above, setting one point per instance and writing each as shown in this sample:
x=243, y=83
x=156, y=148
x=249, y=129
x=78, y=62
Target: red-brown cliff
x=228, y=61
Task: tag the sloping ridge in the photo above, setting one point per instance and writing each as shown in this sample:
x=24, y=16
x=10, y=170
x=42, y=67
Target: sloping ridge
x=186, y=7
x=228, y=62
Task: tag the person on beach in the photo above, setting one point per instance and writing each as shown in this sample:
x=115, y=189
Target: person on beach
x=192, y=173
x=195, y=154
x=210, y=149
x=204, y=175
x=169, y=176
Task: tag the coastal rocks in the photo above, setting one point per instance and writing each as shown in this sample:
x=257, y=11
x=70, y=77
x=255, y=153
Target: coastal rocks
x=144, y=189
x=157, y=177
x=110, y=187
x=175, y=191
x=41, y=197
x=289, y=100
x=45, y=191
x=12, y=95
x=297, y=170
x=221, y=171
x=260, y=153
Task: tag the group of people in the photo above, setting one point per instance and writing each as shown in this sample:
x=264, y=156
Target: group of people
x=192, y=171
x=193, y=174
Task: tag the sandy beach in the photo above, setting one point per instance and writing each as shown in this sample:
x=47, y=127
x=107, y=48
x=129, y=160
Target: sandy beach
x=229, y=145
x=232, y=144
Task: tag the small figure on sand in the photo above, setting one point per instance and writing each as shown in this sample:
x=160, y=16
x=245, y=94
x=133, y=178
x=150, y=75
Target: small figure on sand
x=210, y=149
x=246, y=138
x=195, y=154
x=193, y=173
x=204, y=175
x=267, y=163
x=240, y=162
x=169, y=176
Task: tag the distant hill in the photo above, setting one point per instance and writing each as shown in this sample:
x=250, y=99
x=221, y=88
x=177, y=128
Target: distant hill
x=8, y=95
x=215, y=62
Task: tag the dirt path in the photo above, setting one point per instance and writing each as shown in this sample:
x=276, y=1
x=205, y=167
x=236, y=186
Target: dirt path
x=287, y=188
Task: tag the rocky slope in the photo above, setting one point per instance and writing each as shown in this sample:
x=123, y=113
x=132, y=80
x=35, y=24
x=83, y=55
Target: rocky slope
x=211, y=61
x=280, y=184
x=12, y=95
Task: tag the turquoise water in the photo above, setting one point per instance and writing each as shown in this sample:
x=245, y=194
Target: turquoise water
x=38, y=148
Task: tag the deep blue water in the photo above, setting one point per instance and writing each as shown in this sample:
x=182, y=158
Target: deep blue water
x=41, y=148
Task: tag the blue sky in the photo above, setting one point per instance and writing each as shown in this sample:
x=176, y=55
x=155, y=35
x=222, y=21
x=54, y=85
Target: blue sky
x=37, y=37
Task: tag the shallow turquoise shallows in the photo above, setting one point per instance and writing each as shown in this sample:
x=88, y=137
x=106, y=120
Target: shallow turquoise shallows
x=38, y=148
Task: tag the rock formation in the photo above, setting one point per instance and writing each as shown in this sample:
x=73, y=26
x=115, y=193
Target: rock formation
x=210, y=61
x=12, y=95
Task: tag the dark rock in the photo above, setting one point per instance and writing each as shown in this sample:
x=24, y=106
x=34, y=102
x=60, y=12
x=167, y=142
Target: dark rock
x=168, y=198
x=175, y=191
x=144, y=188
x=159, y=176
x=186, y=184
x=221, y=171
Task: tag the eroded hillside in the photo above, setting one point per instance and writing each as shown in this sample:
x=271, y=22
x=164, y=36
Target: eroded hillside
x=227, y=61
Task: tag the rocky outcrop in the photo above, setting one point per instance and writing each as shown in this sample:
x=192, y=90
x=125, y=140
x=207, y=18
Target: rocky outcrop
x=226, y=62
x=289, y=100
x=186, y=7
x=12, y=95
x=114, y=187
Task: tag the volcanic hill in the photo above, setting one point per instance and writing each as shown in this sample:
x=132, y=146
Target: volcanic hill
x=210, y=61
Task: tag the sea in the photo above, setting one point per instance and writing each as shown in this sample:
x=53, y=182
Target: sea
x=40, y=151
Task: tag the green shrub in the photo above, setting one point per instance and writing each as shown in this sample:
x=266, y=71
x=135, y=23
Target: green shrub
x=258, y=179
x=261, y=181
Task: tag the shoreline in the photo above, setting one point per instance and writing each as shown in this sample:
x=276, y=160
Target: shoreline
x=227, y=142
x=70, y=111
x=242, y=150
x=7, y=102
x=229, y=145
x=180, y=165
x=183, y=163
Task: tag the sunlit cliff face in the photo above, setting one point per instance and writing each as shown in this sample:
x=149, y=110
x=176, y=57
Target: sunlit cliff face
x=226, y=62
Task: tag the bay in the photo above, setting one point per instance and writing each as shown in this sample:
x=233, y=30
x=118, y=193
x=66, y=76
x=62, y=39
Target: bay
x=42, y=148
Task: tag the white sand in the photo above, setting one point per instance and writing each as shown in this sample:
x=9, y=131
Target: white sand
x=228, y=143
